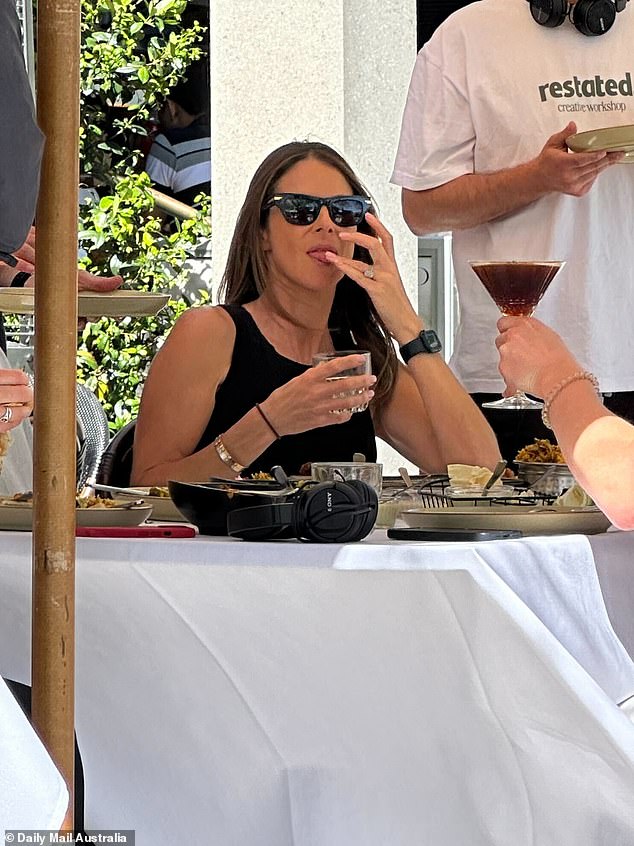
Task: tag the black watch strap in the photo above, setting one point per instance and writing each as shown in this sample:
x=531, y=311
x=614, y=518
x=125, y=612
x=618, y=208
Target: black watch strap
x=20, y=279
x=426, y=341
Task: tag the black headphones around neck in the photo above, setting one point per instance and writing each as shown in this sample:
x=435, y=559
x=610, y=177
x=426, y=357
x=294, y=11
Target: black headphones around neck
x=590, y=17
x=327, y=512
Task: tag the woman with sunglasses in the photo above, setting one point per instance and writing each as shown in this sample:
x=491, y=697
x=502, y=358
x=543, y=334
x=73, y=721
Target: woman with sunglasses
x=310, y=269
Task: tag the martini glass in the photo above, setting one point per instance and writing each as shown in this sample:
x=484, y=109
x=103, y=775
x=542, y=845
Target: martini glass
x=516, y=287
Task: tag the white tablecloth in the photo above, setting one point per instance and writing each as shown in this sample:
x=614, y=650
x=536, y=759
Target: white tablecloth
x=232, y=693
x=33, y=794
x=614, y=556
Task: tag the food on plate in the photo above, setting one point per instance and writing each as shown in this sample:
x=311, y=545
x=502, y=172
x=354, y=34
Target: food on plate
x=27, y=496
x=468, y=475
x=260, y=474
x=99, y=502
x=157, y=491
x=80, y=501
x=542, y=451
x=574, y=497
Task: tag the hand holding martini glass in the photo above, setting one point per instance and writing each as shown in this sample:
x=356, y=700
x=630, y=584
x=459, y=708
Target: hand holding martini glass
x=516, y=287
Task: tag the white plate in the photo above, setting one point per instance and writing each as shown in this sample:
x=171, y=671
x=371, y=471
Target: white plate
x=538, y=520
x=18, y=516
x=163, y=509
x=90, y=303
x=613, y=138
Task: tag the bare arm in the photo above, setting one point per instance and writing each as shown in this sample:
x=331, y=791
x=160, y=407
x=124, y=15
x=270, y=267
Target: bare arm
x=429, y=417
x=86, y=281
x=478, y=198
x=598, y=446
x=180, y=395
x=6, y=274
x=432, y=421
x=178, y=399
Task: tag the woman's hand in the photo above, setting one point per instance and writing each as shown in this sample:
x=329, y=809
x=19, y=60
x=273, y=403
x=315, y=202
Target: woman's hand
x=16, y=398
x=383, y=284
x=313, y=399
x=533, y=358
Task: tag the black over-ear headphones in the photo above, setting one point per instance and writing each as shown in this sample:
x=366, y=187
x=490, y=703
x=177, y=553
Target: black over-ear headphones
x=328, y=512
x=590, y=17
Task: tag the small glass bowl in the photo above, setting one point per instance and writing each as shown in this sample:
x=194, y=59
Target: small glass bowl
x=390, y=507
x=476, y=495
x=345, y=471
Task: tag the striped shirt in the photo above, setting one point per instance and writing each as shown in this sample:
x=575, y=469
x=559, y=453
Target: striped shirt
x=179, y=161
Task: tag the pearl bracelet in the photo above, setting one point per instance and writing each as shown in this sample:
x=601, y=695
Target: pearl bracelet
x=574, y=377
x=225, y=456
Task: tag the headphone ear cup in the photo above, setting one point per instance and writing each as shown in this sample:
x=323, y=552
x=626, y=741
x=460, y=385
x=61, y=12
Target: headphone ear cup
x=369, y=501
x=335, y=512
x=550, y=13
x=593, y=17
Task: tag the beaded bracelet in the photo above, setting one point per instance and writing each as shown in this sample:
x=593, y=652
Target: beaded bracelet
x=267, y=421
x=574, y=377
x=225, y=456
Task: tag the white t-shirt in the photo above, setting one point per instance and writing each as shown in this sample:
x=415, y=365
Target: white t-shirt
x=487, y=91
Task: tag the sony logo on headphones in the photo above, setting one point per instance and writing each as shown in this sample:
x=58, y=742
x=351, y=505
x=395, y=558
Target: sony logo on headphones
x=328, y=501
x=594, y=87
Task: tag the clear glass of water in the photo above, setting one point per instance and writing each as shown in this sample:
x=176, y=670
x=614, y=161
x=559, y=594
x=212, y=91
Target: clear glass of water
x=364, y=369
x=346, y=471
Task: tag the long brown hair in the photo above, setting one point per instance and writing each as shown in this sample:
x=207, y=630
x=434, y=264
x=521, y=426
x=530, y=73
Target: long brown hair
x=246, y=273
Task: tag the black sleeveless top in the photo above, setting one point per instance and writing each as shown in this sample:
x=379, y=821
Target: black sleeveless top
x=256, y=371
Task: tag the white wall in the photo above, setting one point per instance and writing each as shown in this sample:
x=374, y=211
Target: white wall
x=335, y=71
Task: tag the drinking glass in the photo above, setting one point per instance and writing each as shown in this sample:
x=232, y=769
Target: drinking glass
x=346, y=471
x=363, y=369
x=516, y=287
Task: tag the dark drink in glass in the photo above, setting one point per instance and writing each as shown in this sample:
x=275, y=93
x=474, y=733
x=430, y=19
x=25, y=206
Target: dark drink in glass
x=516, y=287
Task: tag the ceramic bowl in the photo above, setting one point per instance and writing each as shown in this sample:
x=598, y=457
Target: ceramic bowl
x=207, y=505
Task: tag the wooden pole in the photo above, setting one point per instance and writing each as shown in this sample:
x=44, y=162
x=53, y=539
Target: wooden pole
x=53, y=633
x=172, y=206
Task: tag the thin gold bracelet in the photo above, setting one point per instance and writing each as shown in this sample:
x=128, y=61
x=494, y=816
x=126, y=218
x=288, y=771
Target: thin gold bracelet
x=574, y=377
x=225, y=456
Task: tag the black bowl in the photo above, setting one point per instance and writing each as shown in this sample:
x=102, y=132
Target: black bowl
x=207, y=505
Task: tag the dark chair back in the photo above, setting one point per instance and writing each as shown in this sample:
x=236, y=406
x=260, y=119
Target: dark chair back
x=116, y=461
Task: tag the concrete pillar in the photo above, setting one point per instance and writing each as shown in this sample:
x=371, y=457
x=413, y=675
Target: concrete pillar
x=335, y=71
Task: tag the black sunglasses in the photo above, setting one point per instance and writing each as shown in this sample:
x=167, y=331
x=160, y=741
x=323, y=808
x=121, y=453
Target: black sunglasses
x=302, y=209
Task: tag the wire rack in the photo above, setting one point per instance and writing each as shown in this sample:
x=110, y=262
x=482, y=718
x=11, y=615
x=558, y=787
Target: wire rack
x=434, y=494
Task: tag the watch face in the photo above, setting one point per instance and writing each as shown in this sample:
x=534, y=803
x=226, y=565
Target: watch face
x=431, y=341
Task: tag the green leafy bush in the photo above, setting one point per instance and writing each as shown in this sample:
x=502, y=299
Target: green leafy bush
x=124, y=237
x=133, y=52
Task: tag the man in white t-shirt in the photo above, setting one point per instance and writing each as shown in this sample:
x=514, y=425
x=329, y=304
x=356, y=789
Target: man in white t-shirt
x=482, y=153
